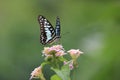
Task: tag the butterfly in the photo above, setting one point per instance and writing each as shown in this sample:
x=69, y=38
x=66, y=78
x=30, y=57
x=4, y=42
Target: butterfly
x=48, y=33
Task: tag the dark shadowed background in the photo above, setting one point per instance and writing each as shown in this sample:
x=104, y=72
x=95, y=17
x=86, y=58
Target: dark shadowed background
x=91, y=26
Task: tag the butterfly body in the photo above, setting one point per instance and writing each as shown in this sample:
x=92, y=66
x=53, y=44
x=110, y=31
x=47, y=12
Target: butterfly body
x=48, y=33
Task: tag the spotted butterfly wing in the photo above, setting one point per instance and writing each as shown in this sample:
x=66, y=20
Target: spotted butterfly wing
x=48, y=33
x=57, y=28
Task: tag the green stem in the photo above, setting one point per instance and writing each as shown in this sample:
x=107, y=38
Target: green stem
x=42, y=78
x=55, y=62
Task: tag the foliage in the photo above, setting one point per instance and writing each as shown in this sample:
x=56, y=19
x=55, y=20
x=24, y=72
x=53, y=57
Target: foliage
x=54, y=56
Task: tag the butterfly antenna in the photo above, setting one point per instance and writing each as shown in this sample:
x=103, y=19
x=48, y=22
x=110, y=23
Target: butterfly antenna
x=65, y=33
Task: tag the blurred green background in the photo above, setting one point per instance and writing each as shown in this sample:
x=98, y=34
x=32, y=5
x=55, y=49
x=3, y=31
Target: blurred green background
x=91, y=26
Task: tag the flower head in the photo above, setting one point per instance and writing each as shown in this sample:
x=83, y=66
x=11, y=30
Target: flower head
x=60, y=53
x=57, y=47
x=46, y=50
x=75, y=53
x=36, y=73
x=58, y=50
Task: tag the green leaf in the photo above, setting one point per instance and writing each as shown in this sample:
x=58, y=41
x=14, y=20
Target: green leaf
x=55, y=77
x=64, y=73
x=44, y=63
x=62, y=58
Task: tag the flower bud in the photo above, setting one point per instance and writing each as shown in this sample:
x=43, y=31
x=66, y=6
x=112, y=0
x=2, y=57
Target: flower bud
x=75, y=53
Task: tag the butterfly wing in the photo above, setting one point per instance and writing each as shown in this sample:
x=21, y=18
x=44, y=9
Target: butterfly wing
x=47, y=31
x=57, y=28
